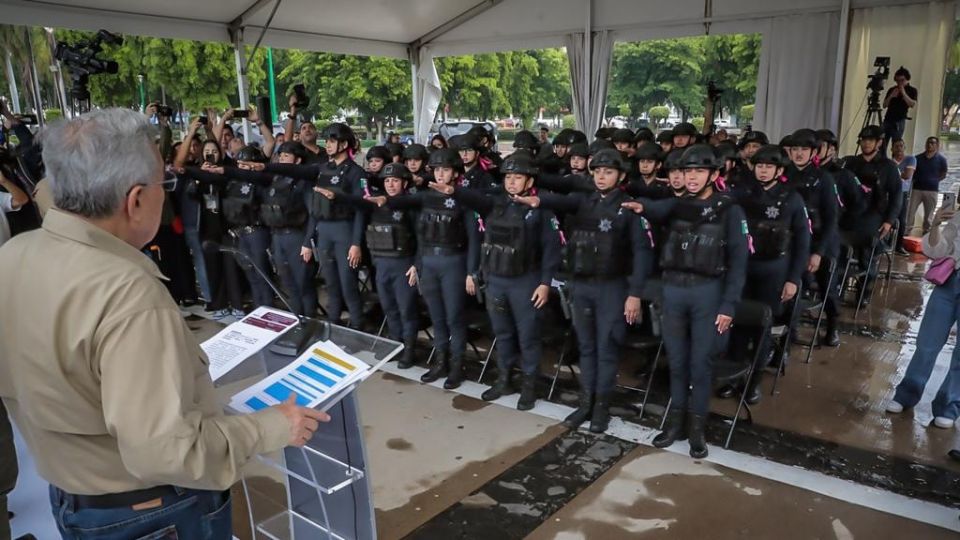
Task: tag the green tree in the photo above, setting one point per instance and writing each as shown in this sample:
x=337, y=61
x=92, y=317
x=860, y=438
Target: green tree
x=651, y=73
x=658, y=114
x=471, y=86
x=746, y=113
x=732, y=62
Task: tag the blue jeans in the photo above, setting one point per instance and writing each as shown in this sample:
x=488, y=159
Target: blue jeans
x=190, y=514
x=942, y=313
x=196, y=251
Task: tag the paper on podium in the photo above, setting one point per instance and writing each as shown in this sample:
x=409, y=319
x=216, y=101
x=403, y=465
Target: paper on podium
x=246, y=337
x=318, y=377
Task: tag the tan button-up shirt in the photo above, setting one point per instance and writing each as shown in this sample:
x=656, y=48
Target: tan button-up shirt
x=104, y=378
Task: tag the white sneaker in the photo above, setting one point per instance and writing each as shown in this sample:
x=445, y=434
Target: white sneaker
x=894, y=408
x=238, y=313
x=943, y=422
x=221, y=314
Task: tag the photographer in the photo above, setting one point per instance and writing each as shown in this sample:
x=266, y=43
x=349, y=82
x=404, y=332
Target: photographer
x=307, y=131
x=899, y=100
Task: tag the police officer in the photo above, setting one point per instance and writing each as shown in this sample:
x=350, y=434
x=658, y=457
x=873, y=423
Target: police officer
x=646, y=183
x=283, y=209
x=519, y=258
x=334, y=227
x=448, y=240
x=487, y=148
x=377, y=157
x=579, y=153
x=607, y=256
x=625, y=142
x=643, y=135
x=819, y=193
x=881, y=182
x=240, y=203
x=395, y=151
x=851, y=203
x=675, y=178
x=704, y=267
x=665, y=140
x=470, y=149
x=604, y=133
x=415, y=158
x=777, y=220
x=747, y=146
x=684, y=134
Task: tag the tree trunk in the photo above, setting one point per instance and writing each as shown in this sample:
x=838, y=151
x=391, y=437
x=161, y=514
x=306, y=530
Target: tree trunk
x=950, y=116
x=12, y=82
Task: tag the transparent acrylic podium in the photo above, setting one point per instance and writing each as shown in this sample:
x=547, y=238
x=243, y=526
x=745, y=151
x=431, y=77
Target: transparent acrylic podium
x=320, y=491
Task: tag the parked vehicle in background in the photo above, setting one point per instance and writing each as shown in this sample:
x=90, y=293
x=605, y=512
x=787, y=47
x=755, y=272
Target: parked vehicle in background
x=459, y=127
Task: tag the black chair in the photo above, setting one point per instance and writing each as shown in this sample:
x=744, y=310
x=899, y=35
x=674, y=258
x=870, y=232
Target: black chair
x=820, y=304
x=569, y=339
x=781, y=336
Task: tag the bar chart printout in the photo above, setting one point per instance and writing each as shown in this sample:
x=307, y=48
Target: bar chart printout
x=319, y=374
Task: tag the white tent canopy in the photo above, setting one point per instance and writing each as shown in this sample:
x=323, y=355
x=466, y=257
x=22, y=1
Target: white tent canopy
x=799, y=60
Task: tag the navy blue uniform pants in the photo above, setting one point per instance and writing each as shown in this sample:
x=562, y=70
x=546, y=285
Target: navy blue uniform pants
x=765, y=281
x=443, y=280
x=255, y=242
x=601, y=330
x=397, y=298
x=516, y=322
x=691, y=339
x=333, y=239
x=295, y=274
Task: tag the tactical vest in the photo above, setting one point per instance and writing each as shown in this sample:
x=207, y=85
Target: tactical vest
x=696, y=239
x=324, y=209
x=769, y=225
x=878, y=200
x=283, y=205
x=508, y=248
x=441, y=223
x=240, y=204
x=595, y=249
x=390, y=234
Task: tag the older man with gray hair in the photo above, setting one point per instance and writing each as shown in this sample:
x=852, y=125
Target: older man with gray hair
x=98, y=369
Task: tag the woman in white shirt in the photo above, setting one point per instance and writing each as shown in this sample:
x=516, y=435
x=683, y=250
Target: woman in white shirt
x=941, y=314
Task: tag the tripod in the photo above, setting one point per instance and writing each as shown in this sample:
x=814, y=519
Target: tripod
x=874, y=116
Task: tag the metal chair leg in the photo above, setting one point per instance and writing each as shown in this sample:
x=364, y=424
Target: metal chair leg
x=866, y=279
x=383, y=324
x=563, y=354
x=487, y=359
x=823, y=307
x=653, y=370
x=786, y=338
x=666, y=410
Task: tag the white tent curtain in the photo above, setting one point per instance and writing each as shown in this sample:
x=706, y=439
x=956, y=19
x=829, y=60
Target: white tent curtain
x=917, y=37
x=428, y=94
x=589, y=96
x=795, y=78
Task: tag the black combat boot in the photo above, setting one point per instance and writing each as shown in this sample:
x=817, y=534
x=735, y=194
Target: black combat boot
x=832, y=337
x=455, y=377
x=500, y=388
x=438, y=368
x=580, y=415
x=528, y=393
x=600, y=419
x=409, y=354
x=696, y=431
x=673, y=431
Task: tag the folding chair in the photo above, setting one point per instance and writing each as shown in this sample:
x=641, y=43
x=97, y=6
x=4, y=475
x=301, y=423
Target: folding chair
x=780, y=335
x=569, y=338
x=820, y=311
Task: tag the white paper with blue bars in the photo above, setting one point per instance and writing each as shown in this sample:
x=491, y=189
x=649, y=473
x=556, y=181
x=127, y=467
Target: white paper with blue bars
x=322, y=372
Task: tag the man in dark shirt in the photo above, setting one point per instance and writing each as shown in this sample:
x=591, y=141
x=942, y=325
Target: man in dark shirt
x=931, y=170
x=899, y=100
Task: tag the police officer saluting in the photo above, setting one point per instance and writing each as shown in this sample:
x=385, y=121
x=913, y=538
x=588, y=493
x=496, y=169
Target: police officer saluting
x=608, y=257
x=704, y=268
x=777, y=220
x=334, y=226
x=881, y=181
x=415, y=158
x=448, y=239
x=519, y=258
x=474, y=175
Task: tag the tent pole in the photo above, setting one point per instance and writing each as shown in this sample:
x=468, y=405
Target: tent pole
x=587, y=90
x=415, y=81
x=242, y=81
x=840, y=66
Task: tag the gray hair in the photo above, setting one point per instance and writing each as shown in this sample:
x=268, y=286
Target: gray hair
x=94, y=160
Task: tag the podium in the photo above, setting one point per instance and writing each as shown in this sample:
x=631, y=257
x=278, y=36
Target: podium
x=323, y=489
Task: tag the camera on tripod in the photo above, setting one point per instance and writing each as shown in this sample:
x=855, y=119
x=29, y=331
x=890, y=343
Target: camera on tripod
x=875, y=81
x=82, y=61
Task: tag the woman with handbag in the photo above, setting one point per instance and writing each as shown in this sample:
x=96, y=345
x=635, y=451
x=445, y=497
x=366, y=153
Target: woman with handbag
x=942, y=313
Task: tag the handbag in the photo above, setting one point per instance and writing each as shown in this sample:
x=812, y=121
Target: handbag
x=940, y=271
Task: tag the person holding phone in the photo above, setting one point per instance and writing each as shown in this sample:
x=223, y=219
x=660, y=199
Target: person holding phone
x=942, y=312
x=898, y=102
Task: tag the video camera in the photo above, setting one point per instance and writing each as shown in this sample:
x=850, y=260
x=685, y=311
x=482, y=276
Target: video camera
x=875, y=81
x=81, y=59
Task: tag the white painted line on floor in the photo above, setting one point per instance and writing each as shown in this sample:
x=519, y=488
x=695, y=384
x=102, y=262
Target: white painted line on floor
x=844, y=490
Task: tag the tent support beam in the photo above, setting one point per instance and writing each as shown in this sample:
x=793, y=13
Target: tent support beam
x=838, y=74
x=238, y=56
x=242, y=19
x=454, y=22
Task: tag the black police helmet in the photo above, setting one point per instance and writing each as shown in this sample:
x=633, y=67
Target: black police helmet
x=786, y=141
x=576, y=136
x=871, y=132
x=604, y=133
x=600, y=144
x=623, y=135
x=579, y=149
x=805, y=138
x=293, y=147
x=251, y=152
x=770, y=154
x=608, y=157
x=396, y=170
x=446, y=157
x=338, y=131
x=700, y=156
x=482, y=131
x=650, y=151
x=726, y=150
x=673, y=161
x=526, y=139
x=643, y=135
x=754, y=137
x=665, y=136
x=467, y=141
x=416, y=151
x=827, y=136
x=685, y=128
x=519, y=163
x=379, y=152
x=395, y=149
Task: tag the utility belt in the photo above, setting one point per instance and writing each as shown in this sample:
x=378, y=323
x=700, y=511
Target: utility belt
x=286, y=230
x=244, y=230
x=438, y=250
x=678, y=278
x=125, y=499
